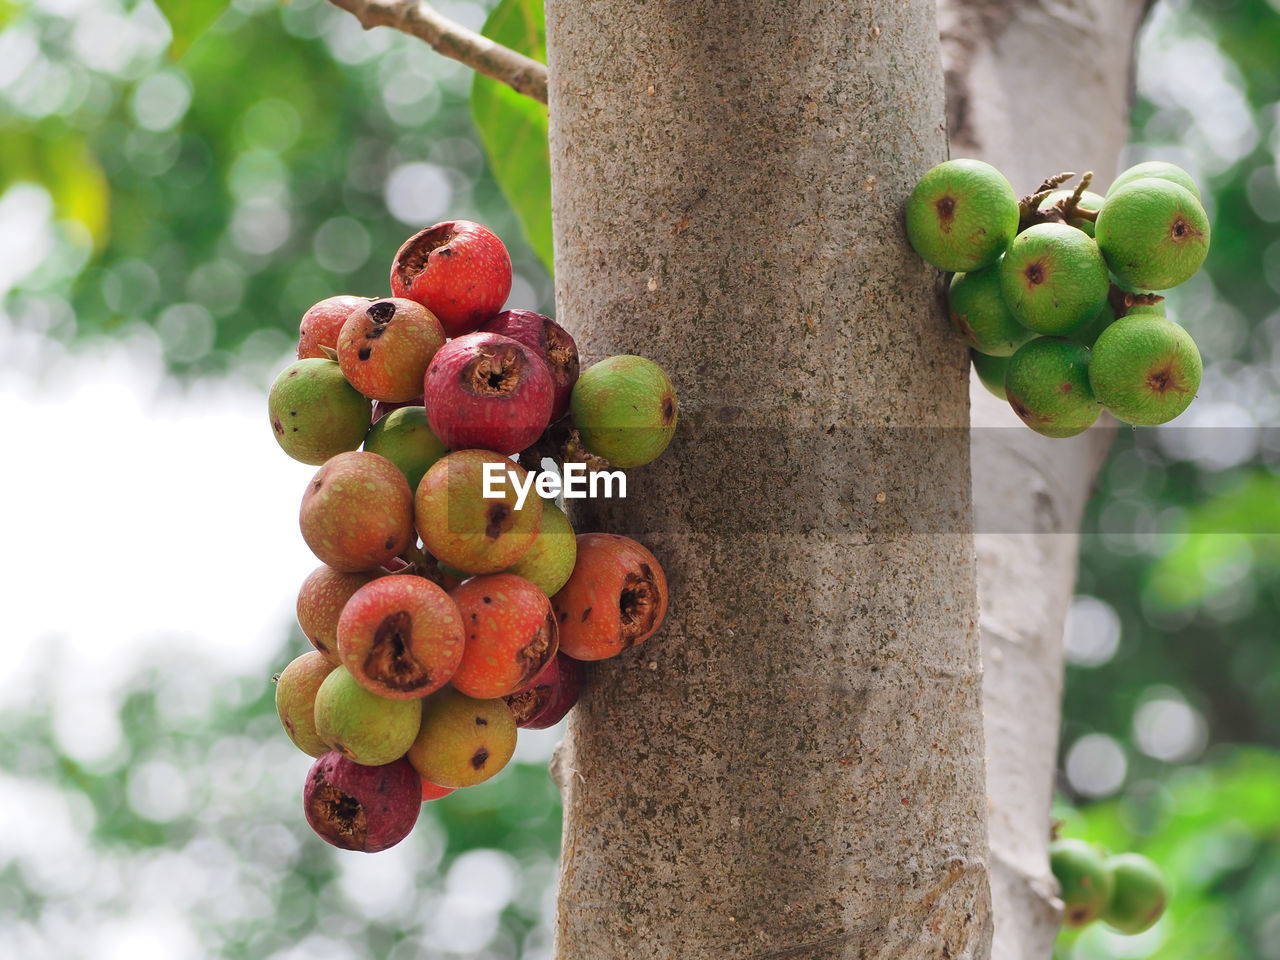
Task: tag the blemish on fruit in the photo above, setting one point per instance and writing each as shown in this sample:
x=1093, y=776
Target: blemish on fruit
x=479, y=758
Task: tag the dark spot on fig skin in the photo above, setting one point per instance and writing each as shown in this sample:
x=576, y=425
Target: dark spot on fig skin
x=278, y=427
x=481, y=722
x=668, y=409
x=585, y=613
x=496, y=519
x=479, y=759
x=389, y=543
x=488, y=600
x=339, y=815
x=364, y=353
x=1065, y=388
x=1035, y=273
x=381, y=312
x=946, y=207
x=389, y=661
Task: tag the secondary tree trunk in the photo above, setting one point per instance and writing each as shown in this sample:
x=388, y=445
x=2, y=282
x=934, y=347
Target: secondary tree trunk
x=1034, y=88
x=794, y=766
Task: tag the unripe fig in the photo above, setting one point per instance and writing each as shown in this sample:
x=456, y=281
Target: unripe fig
x=1084, y=879
x=489, y=392
x=991, y=371
x=961, y=215
x=978, y=310
x=1138, y=893
x=1157, y=170
x=549, y=562
x=552, y=694
x=466, y=530
x=1089, y=333
x=359, y=807
x=551, y=342
x=462, y=741
x=510, y=635
x=1145, y=369
x=405, y=438
x=357, y=512
x=459, y=270
x=1053, y=278
x=1047, y=384
x=320, y=601
x=362, y=726
x=615, y=598
x=321, y=323
x=384, y=349
x=296, y=700
x=625, y=410
x=1153, y=233
x=401, y=637
x=315, y=413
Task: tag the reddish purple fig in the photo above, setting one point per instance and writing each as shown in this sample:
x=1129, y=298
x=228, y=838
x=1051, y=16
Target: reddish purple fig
x=362, y=808
x=552, y=693
x=321, y=323
x=488, y=392
x=551, y=341
x=459, y=270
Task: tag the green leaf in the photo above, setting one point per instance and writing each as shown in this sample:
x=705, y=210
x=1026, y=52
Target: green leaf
x=513, y=128
x=189, y=19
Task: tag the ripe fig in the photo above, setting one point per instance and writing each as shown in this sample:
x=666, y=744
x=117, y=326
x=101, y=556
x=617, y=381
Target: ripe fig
x=551, y=342
x=320, y=601
x=296, y=700
x=362, y=726
x=615, y=598
x=625, y=410
x=357, y=512
x=552, y=693
x=401, y=637
x=463, y=528
x=431, y=791
x=315, y=413
x=321, y=323
x=1048, y=387
x=359, y=807
x=1153, y=233
x=510, y=635
x=1053, y=278
x=1084, y=879
x=961, y=215
x=459, y=270
x=462, y=741
x=1145, y=369
x=384, y=349
x=489, y=392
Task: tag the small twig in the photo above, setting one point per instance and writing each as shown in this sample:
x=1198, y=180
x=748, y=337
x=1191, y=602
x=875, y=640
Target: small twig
x=1122, y=301
x=1068, y=206
x=418, y=19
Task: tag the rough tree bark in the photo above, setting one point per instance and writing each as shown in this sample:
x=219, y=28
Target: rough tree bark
x=1034, y=88
x=793, y=768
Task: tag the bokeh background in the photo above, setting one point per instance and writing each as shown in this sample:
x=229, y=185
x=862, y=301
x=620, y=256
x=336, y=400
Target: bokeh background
x=172, y=198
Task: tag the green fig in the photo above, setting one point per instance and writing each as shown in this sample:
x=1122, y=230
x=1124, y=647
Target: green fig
x=991, y=371
x=1153, y=233
x=404, y=437
x=1145, y=369
x=315, y=413
x=549, y=561
x=363, y=727
x=1053, y=278
x=1048, y=387
x=978, y=310
x=961, y=215
x=1138, y=895
x=625, y=410
x=1157, y=170
x=1083, y=878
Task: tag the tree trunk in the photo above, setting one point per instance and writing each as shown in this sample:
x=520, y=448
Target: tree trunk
x=1034, y=88
x=793, y=767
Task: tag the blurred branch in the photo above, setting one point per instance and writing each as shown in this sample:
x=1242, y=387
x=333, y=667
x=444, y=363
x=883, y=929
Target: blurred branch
x=418, y=19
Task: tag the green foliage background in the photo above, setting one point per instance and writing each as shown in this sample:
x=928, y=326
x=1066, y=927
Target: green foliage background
x=222, y=167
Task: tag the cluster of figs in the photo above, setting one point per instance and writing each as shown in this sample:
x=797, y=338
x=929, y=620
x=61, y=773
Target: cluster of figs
x=1057, y=293
x=455, y=603
x=1126, y=891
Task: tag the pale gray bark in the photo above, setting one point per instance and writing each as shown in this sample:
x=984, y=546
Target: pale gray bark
x=1035, y=88
x=793, y=767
